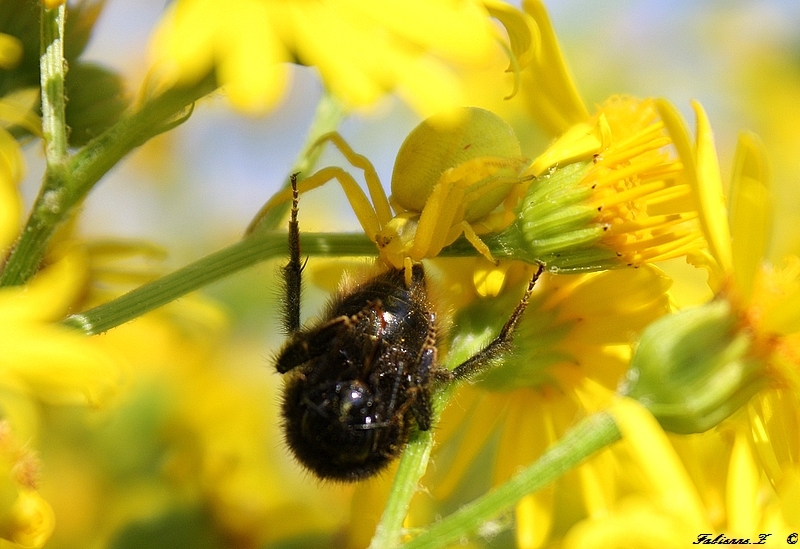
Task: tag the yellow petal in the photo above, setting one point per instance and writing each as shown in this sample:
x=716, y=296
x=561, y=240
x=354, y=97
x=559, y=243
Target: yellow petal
x=523, y=32
x=702, y=172
x=535, y=517
x=580, y=142
x=636, y=523
x=551, y=94
x=713, y=214
x=57, y=364
x=251, y=66
x=659, y=462
x=742, y=489
x=466, y=37
x=751, y=211
x=49, y=295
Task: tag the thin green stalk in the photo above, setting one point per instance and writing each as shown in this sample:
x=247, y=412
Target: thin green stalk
x=66, y=185
x=229, y=260
x=587, y=437
x=53, y=70
x=412, y=466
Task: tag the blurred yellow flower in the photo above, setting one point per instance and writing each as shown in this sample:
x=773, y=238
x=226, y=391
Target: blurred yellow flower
x=42, y=362
x=687, y=491
x=361, y=50
x=25, y=518
x=570, y=350
x=746, y=340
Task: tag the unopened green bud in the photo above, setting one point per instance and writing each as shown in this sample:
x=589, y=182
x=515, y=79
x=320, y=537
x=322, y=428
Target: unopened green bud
x=694, y=368
x=556, y=225
x=96, y=101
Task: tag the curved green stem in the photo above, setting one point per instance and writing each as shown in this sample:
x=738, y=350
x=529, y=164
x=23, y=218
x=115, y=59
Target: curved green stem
x=229, y=260
x=413, y=465
x=587, y=437
x=238, y=256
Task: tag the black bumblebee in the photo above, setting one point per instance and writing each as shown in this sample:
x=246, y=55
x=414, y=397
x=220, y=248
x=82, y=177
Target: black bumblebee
x=360, y=378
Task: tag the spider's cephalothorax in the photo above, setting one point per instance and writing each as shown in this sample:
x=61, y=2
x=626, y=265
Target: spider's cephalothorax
x=361, y=378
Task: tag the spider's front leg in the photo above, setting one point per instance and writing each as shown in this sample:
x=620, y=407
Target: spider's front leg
x=371, y=215
x=500, y=344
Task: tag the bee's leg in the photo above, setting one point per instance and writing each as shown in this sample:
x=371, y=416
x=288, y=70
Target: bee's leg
x=422, y=407
x=500, y=344
x=292, y=272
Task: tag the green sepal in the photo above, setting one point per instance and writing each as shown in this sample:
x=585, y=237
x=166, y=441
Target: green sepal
x=556, y=226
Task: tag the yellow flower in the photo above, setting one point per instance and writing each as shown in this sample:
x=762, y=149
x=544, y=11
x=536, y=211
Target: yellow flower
x=764, y=300
x=610, y=190
x=42, y=361
x=670, y=505
x=570, y=349
x=361, y=50
x=25, y=518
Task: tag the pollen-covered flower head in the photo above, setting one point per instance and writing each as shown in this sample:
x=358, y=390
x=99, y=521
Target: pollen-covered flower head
x=610, y=192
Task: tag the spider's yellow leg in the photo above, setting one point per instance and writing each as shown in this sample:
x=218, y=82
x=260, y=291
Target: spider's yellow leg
x=355, y=195
x=472, y=238
x=376, y=192
x=436, y=219
x=407, y=264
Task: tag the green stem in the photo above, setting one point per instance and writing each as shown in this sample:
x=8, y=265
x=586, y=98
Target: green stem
x=412, y=466
x=67, y=185
x=52, y=70
x=587, y=437
x=257, y=247
x=229, y=260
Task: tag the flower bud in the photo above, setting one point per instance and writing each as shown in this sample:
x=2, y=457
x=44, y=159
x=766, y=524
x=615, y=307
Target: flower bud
x=694, y=368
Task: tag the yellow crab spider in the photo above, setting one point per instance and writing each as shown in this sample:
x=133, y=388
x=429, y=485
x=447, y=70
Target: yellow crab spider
x=459, y=173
